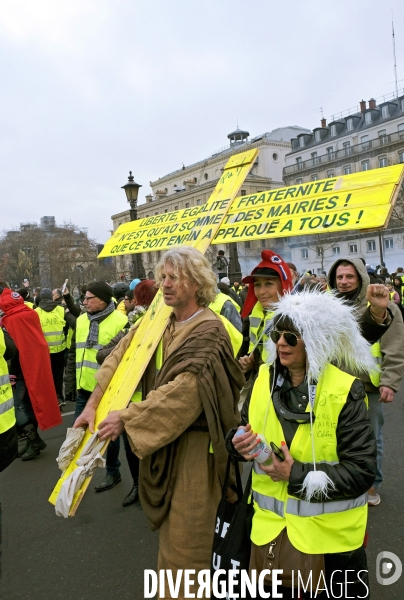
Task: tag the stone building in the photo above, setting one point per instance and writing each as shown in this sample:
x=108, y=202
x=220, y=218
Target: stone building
x=192, y=185
x=370, y=137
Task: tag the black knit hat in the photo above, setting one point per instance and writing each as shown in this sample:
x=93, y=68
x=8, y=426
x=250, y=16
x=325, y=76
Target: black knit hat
x=46, y=294
x=101, y=289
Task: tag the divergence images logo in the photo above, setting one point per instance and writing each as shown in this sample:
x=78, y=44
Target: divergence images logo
x=388, y=563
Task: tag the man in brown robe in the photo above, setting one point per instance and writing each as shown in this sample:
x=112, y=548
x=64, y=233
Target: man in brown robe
x=178, y=430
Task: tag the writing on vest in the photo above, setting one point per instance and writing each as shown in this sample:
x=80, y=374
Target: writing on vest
x=52, y=324
x=7, y=414
x=86, y=358
x=313, y=527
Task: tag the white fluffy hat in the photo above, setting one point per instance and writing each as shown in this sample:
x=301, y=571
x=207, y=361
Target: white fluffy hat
x=329, y=330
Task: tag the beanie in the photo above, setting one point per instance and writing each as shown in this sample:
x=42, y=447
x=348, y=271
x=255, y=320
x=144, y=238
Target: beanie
x=101, y=289
x=134, y=283
x=46, y=294
x=225, y=280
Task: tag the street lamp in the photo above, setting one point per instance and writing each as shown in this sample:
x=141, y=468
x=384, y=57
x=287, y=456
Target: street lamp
x=132, y=191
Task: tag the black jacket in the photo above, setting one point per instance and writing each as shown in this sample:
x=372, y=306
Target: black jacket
x=356, y=445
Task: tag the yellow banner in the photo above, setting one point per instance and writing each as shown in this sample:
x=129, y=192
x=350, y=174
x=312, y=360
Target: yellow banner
x=359, y=201
x=151, y=328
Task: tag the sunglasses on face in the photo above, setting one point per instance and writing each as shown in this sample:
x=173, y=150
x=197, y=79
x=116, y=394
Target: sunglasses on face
x=289, y=337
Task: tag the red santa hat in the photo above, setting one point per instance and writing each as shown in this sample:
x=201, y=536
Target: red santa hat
x=272, y=265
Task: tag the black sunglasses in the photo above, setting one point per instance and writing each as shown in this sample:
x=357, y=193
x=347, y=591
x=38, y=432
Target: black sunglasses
x=289, y=337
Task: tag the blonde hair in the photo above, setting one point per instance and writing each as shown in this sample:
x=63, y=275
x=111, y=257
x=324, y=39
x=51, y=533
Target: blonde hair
x=189, y=263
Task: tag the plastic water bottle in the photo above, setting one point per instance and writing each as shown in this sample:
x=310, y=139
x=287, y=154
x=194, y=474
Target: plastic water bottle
x=263, y=449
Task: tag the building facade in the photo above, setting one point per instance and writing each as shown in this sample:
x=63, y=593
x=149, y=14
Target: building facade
x=370, y=138
x=192, y=186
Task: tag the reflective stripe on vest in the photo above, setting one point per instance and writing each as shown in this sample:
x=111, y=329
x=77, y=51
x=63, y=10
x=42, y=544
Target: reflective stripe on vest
x=259, y=318
x=236, y=337
x=86, y=361
x=337, y=526
x=377, y=353
x=7, y=414
x=52, y=324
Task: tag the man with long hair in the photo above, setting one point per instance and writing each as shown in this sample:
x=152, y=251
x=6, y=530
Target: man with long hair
x=184, y=416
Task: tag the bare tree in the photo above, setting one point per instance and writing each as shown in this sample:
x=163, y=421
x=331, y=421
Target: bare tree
x=319, y=244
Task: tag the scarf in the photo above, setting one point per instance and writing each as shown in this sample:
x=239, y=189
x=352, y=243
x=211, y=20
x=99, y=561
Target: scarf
x=208, y=354
x=136, y=313
x=95, y=320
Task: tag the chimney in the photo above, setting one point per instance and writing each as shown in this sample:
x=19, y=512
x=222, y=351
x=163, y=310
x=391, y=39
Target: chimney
x=372, y=103
x=362, y=104
x=323, y=122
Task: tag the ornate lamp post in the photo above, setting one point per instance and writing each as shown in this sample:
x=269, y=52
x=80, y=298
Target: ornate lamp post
x=132, y=191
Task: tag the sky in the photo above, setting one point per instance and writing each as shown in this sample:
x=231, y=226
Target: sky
x=94, y=88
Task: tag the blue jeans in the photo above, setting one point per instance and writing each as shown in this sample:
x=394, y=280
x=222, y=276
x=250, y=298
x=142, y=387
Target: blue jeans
x=376, y=417
x=81, y=401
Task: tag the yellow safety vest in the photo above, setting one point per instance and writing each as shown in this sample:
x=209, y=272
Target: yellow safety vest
x=52, y=324
x=313, y=527
x=7, y=414
x=69, y=338
x=257, y=318
x=86, y=361
x=121, y=307
x=236, y=337
x=377, y=353
x=30, y=304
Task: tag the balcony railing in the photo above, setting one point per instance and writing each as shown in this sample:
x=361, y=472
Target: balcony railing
x=346, y=153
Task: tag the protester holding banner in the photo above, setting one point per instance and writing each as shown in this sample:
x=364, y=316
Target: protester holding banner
x=310, y=497
x=270, y=279
x=178, y=430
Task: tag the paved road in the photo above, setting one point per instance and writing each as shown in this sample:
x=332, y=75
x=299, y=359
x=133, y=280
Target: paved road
x=102, y=552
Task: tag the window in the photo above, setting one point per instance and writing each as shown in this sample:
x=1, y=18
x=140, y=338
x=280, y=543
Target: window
x=305, y=253
x=347, y=148
x=385, y=111
x=157, y=212
x=175, y=207
x=330, y=173
x=382, y=137
x=388, y=243
x=401, y=156
x=336, y=250
x=247, y=245
x=349, y=124
x=330, y=153
x=243, y=192
x=319, y=271
x=402, y=105
x=382, y=161
x=347, y=169
x=165, y=210
x=365, y=142
x=365, y=165
x=301, y=141
x=333, y=130
x=314, y=177
x=400, y=129
x=300, y=179
x=368, y=118
x=263, y=243
x=206, y=176
x=319, y=252
x=198, y=202
x=317, y=135
x=274, y=157
x=315, y=159
x=186, y=204
x=371, y=246
x=299, y=162
x=353, y=248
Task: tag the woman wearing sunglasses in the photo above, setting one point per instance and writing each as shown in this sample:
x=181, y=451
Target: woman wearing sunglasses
x=310, y=497
x=269, y=280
